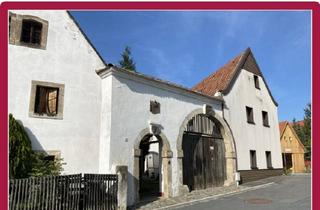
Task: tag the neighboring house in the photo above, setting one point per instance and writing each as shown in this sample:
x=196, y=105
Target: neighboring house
x=292, y=148
x=251, y=112
x=97, y=116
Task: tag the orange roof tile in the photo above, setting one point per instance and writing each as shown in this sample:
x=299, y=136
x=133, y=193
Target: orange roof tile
x=222, y=79
x=219, y=80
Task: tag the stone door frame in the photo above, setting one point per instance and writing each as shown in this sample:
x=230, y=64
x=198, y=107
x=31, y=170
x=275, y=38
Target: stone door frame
x=230, y=149
x=166, y=155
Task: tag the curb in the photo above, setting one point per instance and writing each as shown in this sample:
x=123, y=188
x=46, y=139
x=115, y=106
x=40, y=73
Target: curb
x=214, y=197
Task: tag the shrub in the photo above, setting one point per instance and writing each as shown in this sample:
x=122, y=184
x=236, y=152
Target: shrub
x=23, y=161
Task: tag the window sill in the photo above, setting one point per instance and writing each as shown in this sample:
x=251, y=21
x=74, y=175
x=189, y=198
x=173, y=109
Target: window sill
x=44, y=116
x=30, y=45
x=268, y=126
x=254, y=168
x=250, y=122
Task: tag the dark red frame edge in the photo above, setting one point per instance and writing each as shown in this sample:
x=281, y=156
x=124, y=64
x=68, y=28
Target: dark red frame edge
x=5, y=6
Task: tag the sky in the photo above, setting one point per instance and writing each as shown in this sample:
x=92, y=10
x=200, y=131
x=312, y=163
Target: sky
x=184, y=47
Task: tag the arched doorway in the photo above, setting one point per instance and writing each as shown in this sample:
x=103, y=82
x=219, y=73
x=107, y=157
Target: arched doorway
x=222, y=139
x=203, y=161
x=150, y=167
x=146, y=183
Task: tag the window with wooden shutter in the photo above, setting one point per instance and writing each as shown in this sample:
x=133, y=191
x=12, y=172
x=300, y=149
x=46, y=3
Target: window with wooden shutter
x=52, y=101
x=46, y=100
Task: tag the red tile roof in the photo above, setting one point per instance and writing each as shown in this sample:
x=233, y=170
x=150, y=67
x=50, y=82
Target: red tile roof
x=219, y=80
x=223, y=79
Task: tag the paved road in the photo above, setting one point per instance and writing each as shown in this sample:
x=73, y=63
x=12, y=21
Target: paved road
x=288, y=193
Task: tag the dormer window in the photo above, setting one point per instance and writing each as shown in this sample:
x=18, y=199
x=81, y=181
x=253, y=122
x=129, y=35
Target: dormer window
x=256, y=81
x=31, y=32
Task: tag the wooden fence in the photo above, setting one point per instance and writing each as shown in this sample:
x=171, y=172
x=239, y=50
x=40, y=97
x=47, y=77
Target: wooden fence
x=100, y=191
x=68, y=192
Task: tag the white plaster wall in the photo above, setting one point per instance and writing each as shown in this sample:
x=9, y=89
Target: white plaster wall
x=248, y=136
x=70, y=60
x=130, y=115
x=105, y=128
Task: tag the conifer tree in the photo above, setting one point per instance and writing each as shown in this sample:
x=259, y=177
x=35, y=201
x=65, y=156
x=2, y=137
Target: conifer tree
x=307, y=130
x=127, y=61
x=20, y=150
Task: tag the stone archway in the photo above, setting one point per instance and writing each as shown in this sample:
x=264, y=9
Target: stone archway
x=230, y=150
x=166, y=155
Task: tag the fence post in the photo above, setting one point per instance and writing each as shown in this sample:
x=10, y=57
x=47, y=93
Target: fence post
x=122, y=172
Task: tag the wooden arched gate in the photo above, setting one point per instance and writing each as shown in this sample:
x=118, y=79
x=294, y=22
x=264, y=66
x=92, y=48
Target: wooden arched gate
x=204, y=163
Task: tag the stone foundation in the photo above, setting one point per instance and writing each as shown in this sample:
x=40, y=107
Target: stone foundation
x=256, y=174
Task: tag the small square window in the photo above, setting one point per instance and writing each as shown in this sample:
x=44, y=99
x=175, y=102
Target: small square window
x=265, y=119
x=49, y=158
x=28, y=31
x=268, y=158
x=46, y=100
x=256, y=81
x=249, y=112
x=31, y=32
x=253, y=159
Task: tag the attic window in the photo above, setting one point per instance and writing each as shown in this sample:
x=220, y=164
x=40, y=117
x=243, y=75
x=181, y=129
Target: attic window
x=31, y=32
x=249, y=112
x=256, y=81
x=28, y=31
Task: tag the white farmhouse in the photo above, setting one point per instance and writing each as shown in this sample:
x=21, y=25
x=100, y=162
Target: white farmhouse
x=97, y=116
x=251, y=112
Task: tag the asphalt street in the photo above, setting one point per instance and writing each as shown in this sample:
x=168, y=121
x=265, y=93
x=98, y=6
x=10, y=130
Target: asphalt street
x=287, y=193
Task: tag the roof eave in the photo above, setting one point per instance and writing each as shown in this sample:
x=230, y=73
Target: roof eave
x=114, y=69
